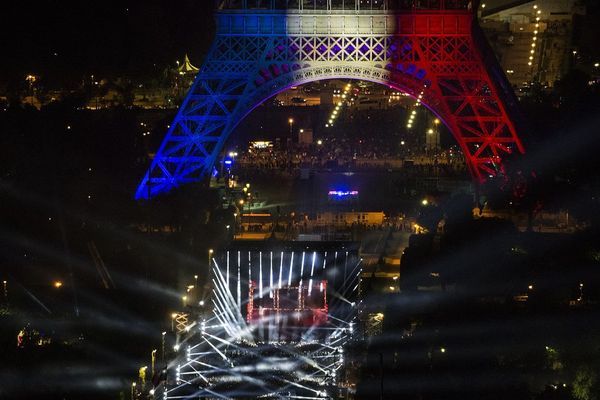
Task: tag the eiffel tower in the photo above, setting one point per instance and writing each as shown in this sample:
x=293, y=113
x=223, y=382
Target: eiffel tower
x=433, y=50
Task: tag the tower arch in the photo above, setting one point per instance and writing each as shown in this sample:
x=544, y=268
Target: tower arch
x=436, y=55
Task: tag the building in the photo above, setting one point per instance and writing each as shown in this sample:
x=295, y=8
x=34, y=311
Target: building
x=340, y=219
x=531, y=39
x=254, y=226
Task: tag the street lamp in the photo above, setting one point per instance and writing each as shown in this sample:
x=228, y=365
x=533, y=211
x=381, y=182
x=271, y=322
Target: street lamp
x=163, y=346
x=133, y=384
x=173, y=318
x=291, y=122
x=153, y=358
x=31, y=79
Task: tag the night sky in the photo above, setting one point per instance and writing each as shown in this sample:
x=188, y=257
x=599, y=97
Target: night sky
x=63, y=40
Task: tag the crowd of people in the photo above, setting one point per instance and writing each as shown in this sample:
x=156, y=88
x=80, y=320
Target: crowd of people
x=344, y=154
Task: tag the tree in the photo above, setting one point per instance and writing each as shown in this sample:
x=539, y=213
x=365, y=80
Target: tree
x=585, y=385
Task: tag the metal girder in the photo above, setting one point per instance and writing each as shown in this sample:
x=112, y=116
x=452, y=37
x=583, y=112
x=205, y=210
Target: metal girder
x=432, y=56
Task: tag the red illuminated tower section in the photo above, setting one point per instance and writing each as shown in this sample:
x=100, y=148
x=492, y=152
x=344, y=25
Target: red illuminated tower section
x=462, y=84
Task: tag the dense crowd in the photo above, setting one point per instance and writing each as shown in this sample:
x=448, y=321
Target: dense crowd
x=340, y=154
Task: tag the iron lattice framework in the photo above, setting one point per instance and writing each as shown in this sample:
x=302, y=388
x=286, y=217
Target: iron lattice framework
x=438, y=56
x=279, y=323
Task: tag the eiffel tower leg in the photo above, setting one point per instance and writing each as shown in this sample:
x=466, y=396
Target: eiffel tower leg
x=213, y=107
x=197, y=134
x=466, y=90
